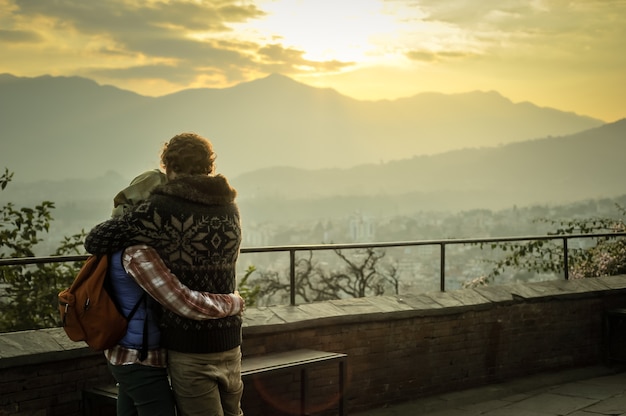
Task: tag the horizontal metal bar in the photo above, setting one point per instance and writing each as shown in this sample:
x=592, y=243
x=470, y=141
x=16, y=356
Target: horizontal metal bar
x=350, y=246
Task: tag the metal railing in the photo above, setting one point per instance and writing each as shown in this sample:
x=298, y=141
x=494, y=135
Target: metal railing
x=292, y=249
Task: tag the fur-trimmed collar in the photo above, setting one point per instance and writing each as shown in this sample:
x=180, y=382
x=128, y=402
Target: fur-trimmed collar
x=208, y=190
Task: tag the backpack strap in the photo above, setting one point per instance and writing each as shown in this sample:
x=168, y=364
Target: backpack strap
x=143, y=353
x=134, y=310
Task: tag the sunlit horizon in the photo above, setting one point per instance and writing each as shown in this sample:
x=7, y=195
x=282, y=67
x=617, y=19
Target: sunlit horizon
x=564, y=56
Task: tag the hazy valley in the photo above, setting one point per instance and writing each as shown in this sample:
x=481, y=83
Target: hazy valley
x=301, y=156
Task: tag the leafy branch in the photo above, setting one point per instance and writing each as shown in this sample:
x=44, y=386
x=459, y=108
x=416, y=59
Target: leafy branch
x=605, y=256
x=29, y=298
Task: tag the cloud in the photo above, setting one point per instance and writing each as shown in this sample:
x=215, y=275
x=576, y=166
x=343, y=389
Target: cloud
x=19, y=36
x=284, y=60
x=178, y=75
x=179, y=41
x=428, y=56
x=536, y=18
x=471, y=13
x=122, y=18
x=424, y=56
x=574, y=34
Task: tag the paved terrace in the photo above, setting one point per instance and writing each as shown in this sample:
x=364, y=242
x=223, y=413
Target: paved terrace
x=401, y=351
x=589, y=391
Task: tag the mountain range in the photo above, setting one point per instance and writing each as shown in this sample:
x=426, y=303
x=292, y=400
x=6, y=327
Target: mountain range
x=293, y=150
x=61, y=128
x=558, y=170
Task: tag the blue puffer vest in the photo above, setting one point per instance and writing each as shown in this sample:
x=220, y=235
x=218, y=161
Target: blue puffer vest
x=128, y=293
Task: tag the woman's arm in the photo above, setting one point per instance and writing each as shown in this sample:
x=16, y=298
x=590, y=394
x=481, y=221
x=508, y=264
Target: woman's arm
x=144, y=264
x=108, y=237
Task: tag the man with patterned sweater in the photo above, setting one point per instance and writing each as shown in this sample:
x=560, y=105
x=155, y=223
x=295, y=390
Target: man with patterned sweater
x=193, y=223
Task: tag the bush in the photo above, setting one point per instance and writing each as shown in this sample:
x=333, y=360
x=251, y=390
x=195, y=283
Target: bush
x=29, y=292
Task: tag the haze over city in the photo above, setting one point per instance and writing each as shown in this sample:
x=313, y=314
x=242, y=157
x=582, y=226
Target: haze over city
x=388, y=99
x=564, y=55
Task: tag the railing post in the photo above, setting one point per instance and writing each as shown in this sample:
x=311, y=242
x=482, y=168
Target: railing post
x=292, y=277
x=442, y=266
x=565, y=258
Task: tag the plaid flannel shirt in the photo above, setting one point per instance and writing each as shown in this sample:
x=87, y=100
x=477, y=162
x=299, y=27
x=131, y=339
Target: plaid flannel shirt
x=146, y=267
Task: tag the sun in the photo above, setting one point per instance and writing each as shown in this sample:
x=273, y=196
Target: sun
x=324, y=30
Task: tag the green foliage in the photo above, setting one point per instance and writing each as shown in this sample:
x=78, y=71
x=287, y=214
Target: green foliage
x=600, y=256
x=249, y=293
x=5, y=178
x=29, y=299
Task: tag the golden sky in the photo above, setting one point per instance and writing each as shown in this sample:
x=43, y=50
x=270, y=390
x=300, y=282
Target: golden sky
x=565, y=54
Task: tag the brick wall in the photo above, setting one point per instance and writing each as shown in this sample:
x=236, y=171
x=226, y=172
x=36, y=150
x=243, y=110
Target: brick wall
x=398, y=348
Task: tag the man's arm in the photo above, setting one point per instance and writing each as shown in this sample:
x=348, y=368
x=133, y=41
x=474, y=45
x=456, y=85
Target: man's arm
x=108, y=236
x=145, y=266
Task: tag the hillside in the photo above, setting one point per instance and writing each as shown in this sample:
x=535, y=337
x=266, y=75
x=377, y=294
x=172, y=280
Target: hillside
x=551, y=170
x=57, y=128
x=556, y=170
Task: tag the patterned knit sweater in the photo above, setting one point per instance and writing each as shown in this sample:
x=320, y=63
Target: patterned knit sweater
x=193, y=222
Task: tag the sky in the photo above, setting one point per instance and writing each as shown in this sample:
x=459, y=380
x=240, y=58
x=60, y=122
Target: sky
x=564, y=54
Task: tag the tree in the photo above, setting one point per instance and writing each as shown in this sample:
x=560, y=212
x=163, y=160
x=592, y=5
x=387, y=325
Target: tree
x=359, y=275
x=607, y=257
x=307, y=288
x=30, y=291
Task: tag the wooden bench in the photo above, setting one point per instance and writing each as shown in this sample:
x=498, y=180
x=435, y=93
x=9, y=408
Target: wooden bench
x=302, y=360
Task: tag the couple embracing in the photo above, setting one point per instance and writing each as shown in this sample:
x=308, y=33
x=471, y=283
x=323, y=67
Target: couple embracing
x=176, y=235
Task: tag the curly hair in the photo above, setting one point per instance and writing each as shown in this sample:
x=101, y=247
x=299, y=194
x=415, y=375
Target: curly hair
x=188, y=154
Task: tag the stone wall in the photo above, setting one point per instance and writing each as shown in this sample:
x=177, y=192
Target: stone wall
x=399, y=348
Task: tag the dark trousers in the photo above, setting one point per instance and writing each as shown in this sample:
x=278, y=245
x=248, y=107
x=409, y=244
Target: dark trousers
x=143, y=391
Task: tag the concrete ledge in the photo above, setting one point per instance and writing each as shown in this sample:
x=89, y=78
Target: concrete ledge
x=32, y=347
x=381, y=308
x=38, y=346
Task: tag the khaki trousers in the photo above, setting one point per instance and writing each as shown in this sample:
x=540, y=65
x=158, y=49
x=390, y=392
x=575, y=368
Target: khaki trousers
x=207, y=384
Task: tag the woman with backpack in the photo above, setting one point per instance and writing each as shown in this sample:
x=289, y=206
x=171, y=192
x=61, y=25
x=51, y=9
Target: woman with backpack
x=138, y=362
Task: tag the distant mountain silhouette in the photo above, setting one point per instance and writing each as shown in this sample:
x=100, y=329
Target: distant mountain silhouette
x=564, y=169
x=55, y=128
